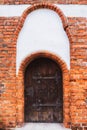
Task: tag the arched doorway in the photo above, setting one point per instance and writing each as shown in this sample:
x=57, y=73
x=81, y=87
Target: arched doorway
x=43, y=91
x=46, y=40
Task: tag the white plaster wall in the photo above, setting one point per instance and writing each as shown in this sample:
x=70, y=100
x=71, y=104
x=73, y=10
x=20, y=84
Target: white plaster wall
x=42, y=31
x=68, y=10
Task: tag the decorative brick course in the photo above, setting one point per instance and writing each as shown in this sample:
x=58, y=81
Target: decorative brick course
x=38, y=6
x=40, y=1
x=75, y=81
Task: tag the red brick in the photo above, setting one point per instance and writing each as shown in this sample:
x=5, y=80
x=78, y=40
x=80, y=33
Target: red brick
x=75, y=81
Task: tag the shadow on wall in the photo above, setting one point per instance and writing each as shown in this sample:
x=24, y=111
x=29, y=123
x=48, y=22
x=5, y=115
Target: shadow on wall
x=2, y=125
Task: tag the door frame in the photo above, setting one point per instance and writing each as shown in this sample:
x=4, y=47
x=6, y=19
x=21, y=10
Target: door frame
x=20, y=86
x=31, y=87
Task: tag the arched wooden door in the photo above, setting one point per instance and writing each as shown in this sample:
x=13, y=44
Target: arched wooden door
x=43, y=91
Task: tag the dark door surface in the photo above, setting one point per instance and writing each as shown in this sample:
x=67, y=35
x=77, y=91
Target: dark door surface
x=43, y=92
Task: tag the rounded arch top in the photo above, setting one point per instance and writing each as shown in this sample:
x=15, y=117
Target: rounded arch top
x=46, y=6
x=34, y=37
x=30, y=58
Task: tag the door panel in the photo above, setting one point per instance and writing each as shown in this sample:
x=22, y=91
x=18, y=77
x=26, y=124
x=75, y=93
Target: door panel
x=43, y=92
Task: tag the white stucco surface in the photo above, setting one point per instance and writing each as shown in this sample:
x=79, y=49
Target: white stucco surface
x=42, y=31
x=68, y=10
x=43, y=126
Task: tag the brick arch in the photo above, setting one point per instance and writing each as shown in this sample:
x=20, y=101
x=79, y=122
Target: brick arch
x=39, y=6
x=43, y=5
x=31, y=57
x=20, y=86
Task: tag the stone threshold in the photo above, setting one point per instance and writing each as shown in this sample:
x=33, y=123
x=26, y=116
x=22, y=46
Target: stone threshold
x=42, y=126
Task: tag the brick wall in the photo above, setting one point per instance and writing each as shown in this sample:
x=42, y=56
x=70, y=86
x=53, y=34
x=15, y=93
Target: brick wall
x=7, y=70
x=36, y=1
x=78, y=72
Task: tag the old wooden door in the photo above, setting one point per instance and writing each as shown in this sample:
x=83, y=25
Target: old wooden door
x=43, y=92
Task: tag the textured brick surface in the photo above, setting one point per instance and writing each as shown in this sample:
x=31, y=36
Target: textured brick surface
x=1, y=1
x=78, y=73
x=39, y=1
x=7, y=70
x=11, y=103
